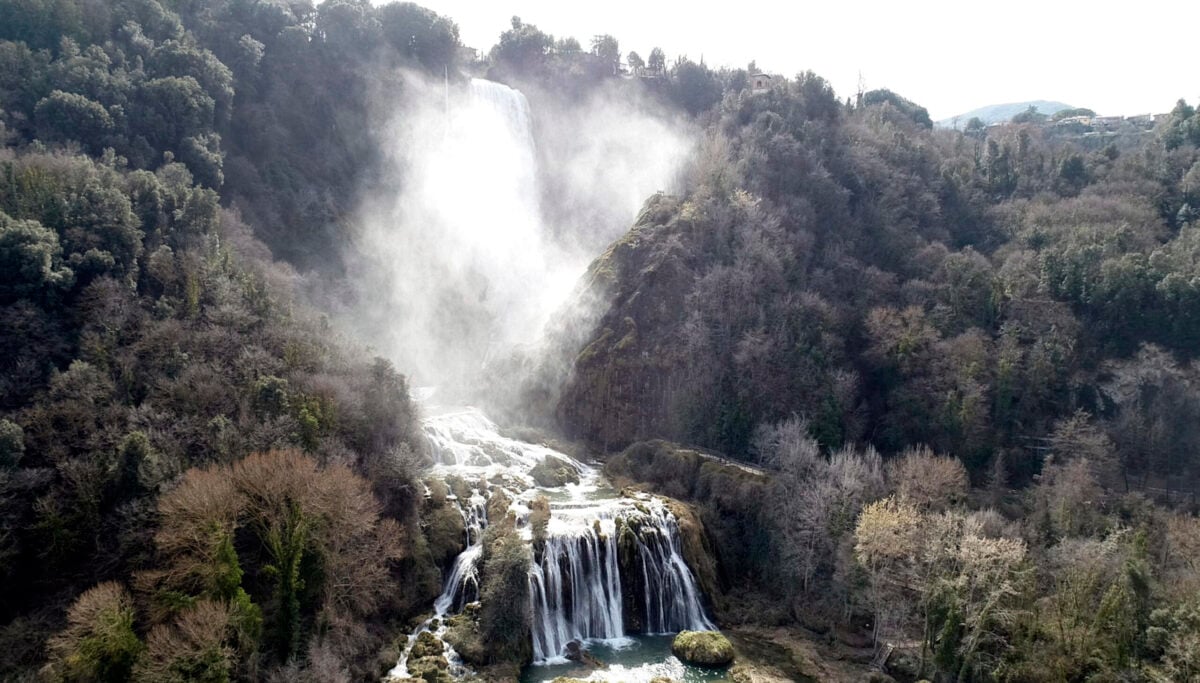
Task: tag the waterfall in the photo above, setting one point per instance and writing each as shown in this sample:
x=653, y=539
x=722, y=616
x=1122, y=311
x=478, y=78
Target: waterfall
x=610, y=566
x=576, y=587
x=670, y=594
x=462, y=583
x=463, y=264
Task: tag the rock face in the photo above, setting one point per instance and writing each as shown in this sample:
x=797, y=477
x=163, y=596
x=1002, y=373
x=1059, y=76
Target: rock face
x=719, y=529
x=463, y=635
x=620, y=388
x=703, y=648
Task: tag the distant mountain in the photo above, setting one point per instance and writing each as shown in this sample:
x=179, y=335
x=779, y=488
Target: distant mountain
x=997, y=113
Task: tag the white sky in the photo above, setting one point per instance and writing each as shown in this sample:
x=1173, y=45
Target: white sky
x=1114, y=56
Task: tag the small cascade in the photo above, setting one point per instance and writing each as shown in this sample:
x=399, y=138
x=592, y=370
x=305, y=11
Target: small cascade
x=462, y=583
x=670, y=595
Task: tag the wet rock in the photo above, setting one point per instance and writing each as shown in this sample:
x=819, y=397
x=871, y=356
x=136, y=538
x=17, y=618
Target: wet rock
x=553, y=472
x=430, y=669
x=427, y=645
x=703, y=648
x=576, y=653
x=462, y=633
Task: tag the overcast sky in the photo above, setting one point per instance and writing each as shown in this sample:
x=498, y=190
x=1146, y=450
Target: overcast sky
x=1116, y=57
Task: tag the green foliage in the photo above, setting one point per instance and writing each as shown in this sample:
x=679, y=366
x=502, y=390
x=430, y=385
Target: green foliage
x=420, y=34
x=1030, y=115
x=12, y=443
x=99, y=643
x=30, y=261
x=1070, y=113
x=917, y=113
x=67, y=116
x=505, y=618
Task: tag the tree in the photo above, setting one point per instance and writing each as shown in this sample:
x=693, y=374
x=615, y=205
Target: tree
x=886, y=542
x=30, y=260
x=319, y=542
x=928, y=481
x=523, y=47
x=606, y=48
x=67, y=116
x=420, y=34
x=657, y=63
x=635, y=62
x=696, y=89
x=1030, y=115
x=193, y=648
x=173, y=108
x=98, y=643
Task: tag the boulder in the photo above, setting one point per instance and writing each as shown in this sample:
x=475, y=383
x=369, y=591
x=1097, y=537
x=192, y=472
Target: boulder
x=462, y=633
x=427, y=645
x=430, y=669
x=703, y=648
x=552, y=472
x=576, y=653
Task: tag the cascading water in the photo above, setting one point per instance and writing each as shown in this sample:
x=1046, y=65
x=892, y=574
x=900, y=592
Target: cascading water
x=473, y=271
x=601, y=552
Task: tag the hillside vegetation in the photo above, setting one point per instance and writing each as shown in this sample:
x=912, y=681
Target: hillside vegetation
x=967, y=363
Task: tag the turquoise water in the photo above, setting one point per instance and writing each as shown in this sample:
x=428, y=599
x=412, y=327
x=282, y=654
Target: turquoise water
x=636, y=659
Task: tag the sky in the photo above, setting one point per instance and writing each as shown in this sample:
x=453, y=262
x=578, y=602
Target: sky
x=1118, y=58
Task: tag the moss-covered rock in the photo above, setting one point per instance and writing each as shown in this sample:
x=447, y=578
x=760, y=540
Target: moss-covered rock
x=445, y=532
x=462, y=632
x=552, y=472
x=430, y=669
x=427, y=645
x=703, y=648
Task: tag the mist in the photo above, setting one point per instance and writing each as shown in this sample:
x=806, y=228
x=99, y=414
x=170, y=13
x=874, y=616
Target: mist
x=500, y=203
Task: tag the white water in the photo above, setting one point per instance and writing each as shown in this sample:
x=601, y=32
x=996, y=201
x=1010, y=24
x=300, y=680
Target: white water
x=577, y=591
x=470, y=270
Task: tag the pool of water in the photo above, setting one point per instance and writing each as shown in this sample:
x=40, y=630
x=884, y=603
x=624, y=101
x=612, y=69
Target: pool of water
x=636, y=659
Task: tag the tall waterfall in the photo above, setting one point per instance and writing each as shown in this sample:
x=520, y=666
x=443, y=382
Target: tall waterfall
x=462, y=264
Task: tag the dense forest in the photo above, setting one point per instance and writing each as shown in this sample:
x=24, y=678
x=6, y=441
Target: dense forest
x=966, y=363
x=960, y=365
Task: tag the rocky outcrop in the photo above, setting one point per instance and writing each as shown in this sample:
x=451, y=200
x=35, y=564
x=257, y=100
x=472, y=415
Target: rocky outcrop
x=717, y=503
x=443, y=526
x=427, y=645
x=703, y=648
x=552, y=472
x=462, y=633
x=620, y=387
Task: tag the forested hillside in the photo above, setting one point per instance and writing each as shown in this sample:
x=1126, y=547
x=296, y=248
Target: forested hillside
x=967, y=363
x=199, y=480
x=907, y=386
